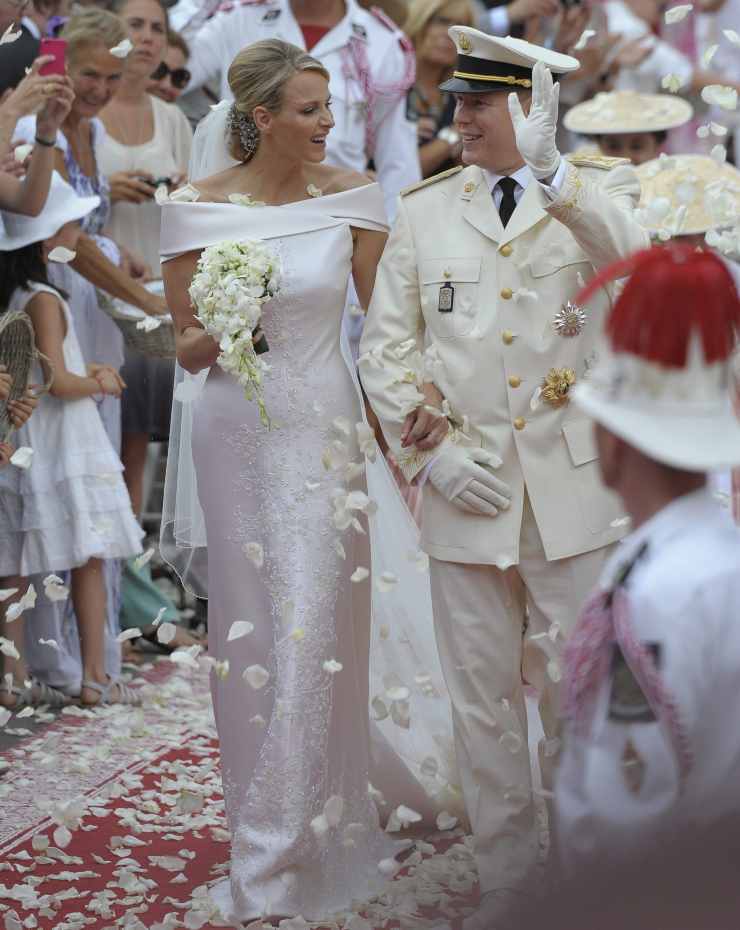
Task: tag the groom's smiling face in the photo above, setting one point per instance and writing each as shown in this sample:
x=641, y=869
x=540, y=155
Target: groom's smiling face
x=302, y=124
x=485, y=127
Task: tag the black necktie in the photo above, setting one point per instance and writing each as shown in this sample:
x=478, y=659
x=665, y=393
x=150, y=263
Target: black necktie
x=508, y=201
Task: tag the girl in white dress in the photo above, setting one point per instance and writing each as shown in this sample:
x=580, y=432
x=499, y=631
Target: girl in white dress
x=69, y=508
x=294, y=744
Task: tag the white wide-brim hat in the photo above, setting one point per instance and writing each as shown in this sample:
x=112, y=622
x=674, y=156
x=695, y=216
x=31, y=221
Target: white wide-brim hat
x=686, y=195
x=682, y=418
x=62, y=206
x=487, y=63
x=626, y=111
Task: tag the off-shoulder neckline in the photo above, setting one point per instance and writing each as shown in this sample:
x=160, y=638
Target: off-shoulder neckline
x=275, y=206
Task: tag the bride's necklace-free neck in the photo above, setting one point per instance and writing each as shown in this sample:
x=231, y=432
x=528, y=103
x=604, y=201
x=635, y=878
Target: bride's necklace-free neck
x=265, y=182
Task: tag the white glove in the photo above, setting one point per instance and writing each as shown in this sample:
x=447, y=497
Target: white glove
x=463, y=476
x=535, y=133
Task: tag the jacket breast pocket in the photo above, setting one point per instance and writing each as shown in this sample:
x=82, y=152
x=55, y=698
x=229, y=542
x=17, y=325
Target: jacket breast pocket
x=450, y=314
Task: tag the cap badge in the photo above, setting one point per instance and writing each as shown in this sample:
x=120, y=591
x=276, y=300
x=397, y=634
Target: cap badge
x=465, y=43
x=556, y=384
x=570, y=320
x=469, y=187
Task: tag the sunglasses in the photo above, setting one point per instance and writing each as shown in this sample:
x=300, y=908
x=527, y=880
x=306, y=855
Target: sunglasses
x=180, y=77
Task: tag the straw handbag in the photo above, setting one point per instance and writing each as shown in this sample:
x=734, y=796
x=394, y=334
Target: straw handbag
x=157, y=343
x=18, y=352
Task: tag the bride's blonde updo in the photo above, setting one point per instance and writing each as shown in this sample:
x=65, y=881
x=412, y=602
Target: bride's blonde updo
x=257, y=78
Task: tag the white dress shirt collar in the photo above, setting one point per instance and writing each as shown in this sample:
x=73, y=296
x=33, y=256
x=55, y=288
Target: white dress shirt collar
x=523, y=176
x=31, y=26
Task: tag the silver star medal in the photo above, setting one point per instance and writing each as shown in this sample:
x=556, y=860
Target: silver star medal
x=570, y=320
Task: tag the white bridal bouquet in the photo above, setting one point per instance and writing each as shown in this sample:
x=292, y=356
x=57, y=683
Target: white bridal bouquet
x=231, y=283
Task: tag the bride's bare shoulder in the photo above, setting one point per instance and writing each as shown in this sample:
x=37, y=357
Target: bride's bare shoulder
x=336, y=180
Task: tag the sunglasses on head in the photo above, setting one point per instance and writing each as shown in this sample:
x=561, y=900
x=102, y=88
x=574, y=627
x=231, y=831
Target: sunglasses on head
x=180, y=77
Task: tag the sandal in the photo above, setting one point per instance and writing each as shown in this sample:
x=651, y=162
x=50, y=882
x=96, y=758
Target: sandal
x=126, y=695
x=45, y=695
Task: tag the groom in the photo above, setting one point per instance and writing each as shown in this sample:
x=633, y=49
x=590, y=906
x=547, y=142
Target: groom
x=479, y=273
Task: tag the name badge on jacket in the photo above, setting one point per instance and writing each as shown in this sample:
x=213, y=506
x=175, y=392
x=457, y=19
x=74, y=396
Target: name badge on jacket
x=446, y=298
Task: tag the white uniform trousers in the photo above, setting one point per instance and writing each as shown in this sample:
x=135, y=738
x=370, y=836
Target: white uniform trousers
x=484, y=621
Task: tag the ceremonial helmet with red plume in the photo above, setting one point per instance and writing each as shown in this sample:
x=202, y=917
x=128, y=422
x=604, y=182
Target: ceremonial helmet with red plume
x=664, y=380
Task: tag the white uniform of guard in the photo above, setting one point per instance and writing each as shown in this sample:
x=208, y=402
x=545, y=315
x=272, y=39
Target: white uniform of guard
x=621, y=784
x=371, y=64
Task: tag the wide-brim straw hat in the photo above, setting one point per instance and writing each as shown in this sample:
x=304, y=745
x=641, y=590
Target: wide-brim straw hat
x=686, y=195
x=625, y=111
x=62, y=206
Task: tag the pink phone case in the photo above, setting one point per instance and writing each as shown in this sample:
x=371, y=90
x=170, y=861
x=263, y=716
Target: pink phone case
x=57, y=48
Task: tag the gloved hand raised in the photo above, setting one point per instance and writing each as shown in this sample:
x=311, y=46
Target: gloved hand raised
x=463, y=475
x=535, y=133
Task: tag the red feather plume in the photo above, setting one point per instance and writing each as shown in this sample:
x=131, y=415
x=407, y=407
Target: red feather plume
x=673, y=292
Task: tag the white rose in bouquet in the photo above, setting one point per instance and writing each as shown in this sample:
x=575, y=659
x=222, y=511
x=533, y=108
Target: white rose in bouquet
x=232, y=282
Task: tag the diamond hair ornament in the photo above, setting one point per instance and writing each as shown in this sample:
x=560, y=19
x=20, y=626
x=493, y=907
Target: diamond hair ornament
x=245, y=128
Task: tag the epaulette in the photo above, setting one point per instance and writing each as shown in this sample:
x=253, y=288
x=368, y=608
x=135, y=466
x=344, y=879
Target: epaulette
x=589, y=160
x=435, y=177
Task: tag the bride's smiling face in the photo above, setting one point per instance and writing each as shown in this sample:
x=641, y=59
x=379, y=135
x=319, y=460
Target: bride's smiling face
x=300, y=128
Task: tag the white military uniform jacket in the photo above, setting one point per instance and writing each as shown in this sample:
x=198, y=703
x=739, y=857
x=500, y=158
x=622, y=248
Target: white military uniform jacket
x=499, y=342
x=684, y=597
x=371, y=65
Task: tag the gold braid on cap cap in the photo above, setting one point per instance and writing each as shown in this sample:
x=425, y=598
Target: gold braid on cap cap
x=499, y=79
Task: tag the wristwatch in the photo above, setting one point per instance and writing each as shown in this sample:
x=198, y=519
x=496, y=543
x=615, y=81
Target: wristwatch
x=449, y=135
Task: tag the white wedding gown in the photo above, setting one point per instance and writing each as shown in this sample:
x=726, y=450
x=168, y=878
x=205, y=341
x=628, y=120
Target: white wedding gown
x=303, y=738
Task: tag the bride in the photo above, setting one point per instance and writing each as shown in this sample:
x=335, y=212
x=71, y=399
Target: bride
x=284, y=541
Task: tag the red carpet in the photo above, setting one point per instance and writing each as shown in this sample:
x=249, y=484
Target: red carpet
x=115, y=819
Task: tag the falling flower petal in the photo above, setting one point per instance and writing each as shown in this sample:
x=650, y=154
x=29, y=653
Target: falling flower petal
x=677, y=13
x=255, y=553
x=55, y=589
x=585, y=36
x=446, y=821
x=256, y=676
x=5, y=593
x=161, y=194
x=21, y=152
x=401, y=714
x=133, y=633
x=22, y=456
x=26, y=712
x=719, y=154
x=708, y=54
x=314, y=191
x=149, y=323
x=718, y=130
x=620, y=521
x=702, y=131
x=420, y=560
x=553, y=671
x=62, y=837
x=61, y=255
x=51, y=643
x=123, y=49
x=238, y=629
x=731, y=36
x=359, y=574
x=406, y=815
x=9, y=35
x=186, y=194
x=672, y=83
x=720, y=95
x=5, y=715
x=166, y=633
x=141, y=560
x=7, y=648
x=388, y=867
x=386, y=582
x=27, y=602
x=332, y=666
x=320, y=826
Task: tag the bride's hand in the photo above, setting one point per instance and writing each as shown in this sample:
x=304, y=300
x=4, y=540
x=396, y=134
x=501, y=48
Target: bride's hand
x=426, y=426
x=196, y=350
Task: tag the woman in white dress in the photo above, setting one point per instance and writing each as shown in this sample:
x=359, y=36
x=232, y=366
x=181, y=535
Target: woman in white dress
x=279, y=555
